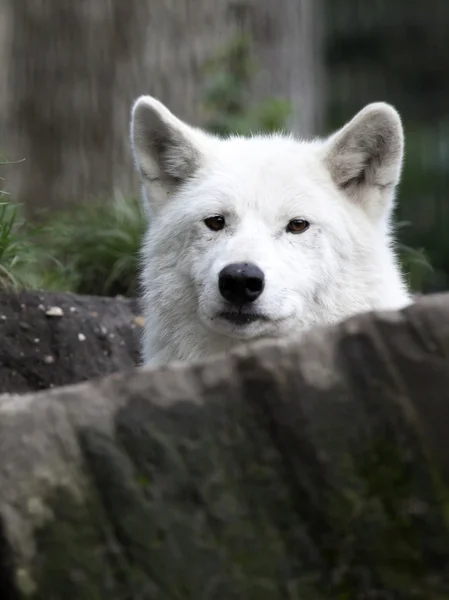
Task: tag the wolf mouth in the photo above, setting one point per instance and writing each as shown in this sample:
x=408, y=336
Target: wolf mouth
x=242, y=318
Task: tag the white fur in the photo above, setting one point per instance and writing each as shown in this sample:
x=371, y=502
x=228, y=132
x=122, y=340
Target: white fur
x=342, y=265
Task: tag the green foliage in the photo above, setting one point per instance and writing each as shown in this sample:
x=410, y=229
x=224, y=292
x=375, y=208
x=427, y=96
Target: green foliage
x=227, y=103
x=423, y=198
x=96, y=247
x=18, y=254
x=415, y=263
x=91, y=250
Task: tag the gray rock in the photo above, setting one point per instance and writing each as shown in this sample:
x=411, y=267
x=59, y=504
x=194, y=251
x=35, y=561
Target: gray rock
x=315, y=469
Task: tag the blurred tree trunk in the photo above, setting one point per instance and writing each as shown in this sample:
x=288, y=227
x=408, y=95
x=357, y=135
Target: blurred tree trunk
x=288, y=38
x=72, y=70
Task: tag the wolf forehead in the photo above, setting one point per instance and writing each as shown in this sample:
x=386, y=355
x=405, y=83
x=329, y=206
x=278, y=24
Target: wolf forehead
x=270, y=177
x=278, y=161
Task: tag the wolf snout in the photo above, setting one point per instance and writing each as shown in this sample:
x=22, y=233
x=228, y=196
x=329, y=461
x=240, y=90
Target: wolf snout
x=241, y=283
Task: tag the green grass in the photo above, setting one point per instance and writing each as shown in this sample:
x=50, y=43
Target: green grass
x=91, y=250
x=20, y=256
x=95, y=247
x=415, y=263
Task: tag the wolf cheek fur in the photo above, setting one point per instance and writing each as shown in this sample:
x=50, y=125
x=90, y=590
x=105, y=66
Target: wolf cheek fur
x=262, y=237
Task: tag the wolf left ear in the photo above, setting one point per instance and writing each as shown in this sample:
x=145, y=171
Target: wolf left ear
x=166, y=150
x=365, y=157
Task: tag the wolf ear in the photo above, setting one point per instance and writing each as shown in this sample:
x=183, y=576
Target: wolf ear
x=166, y=150
x=365, y=157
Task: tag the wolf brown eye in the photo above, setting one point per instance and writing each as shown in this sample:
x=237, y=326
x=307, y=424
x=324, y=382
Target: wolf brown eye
x=297, y=226
x=215, y=223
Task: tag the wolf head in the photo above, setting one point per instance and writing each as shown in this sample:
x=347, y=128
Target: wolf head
x=263, y=236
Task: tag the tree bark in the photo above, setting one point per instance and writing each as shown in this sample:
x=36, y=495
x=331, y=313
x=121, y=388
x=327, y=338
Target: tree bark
x=289, y=46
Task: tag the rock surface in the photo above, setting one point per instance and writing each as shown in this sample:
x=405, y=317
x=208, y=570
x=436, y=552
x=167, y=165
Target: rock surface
x=313, y=470
x=54, y=339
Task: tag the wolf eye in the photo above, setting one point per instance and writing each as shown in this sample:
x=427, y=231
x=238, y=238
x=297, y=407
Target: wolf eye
x=215, y=223
x=297, y=226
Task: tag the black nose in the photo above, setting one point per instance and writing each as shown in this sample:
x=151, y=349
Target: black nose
x=241, y=283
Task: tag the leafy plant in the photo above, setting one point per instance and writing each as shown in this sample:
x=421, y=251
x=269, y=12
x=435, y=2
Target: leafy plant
x=227, y=103
x=19, y=255
x=96, y=247
x=415, y=263
x=93, y=250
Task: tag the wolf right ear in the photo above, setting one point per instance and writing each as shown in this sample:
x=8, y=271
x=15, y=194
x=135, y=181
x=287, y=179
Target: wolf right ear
x=365, y=157
x=166, y=150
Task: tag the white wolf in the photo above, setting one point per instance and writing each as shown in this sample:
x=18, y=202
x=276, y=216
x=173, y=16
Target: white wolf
x=262, y=237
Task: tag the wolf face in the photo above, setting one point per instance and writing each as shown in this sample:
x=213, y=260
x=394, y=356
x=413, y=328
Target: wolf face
x=265, y=236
